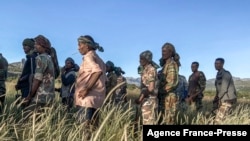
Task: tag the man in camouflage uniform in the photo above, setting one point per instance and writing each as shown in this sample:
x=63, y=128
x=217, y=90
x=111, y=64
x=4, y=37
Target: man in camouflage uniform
x=196, y=86
x=225, y=97
x=42, y=93
x=112, y=78
x=169, y=80
x=148, y=97
x=3, y=78
x=121, y=91
x=181, y=91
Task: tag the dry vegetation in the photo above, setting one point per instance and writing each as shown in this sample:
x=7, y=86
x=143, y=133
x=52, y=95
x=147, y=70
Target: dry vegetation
x=117, y=122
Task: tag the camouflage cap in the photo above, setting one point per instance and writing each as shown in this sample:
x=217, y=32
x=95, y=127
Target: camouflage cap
x=147, y=55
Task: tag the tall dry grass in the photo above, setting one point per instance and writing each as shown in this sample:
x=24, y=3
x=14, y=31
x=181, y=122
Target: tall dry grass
x=117, y=123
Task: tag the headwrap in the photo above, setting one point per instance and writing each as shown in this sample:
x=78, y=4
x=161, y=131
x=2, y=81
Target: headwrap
x=29, y=42
x=42, y=41
x=91, y=43
x=70, y=60
x=149, y=56
x=111, y=65
x=75, y=66
x=118, y=71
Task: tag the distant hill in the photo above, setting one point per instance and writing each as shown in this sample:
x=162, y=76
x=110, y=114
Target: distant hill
x=15, y=69
x=240, y=83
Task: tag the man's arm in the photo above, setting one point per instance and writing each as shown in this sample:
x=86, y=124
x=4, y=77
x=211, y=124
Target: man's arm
x=202, y=82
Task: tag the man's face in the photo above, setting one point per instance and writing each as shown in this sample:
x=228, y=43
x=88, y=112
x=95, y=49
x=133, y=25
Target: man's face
x=83, y=48
x=165, y=53
x=194, y=67
x=108, y=68
x=68, y=65
x=26, y=49
x=39, y=48
x=142, y=61
x=218, y=65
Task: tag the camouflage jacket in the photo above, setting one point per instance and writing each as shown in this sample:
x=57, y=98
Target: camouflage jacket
x=149, y=74
x=121, y=91
x=44, y=72
x=169, y=77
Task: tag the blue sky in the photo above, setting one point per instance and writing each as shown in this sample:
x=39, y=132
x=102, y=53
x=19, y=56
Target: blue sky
x=200, y=30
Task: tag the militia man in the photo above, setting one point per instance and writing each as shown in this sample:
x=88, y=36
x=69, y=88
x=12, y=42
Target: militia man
x=111, y=78
x=196, y=86
x=168, y=84
x=225, y=97
x=148, y=97
x=42, y=92
x=3, y=77
x=121, y=91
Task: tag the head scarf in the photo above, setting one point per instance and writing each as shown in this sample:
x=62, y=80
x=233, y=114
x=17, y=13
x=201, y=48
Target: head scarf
x=149, y=56
x=29, y=42
x=118, y=71
x=89, y=40
x=42, y=41
x=110, y=64
x=70, y=60
x=75, y=66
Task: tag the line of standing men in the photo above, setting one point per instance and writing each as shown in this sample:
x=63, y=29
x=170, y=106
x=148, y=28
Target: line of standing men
x=158, y=91
x=165, y=88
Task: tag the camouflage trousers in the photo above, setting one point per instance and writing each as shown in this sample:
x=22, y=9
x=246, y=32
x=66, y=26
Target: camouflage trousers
x=168, y=107
x=149, y=110
x=225, y=108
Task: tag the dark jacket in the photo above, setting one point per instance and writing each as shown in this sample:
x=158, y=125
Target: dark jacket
x=68, y=79
x=28, y=69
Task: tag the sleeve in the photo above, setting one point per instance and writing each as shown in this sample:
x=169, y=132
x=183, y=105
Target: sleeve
x=202, y=81
x=41, y=65
x=93, y=64
x=151, y=75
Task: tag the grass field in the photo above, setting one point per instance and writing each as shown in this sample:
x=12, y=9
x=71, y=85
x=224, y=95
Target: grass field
x=116, y=122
